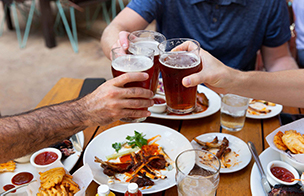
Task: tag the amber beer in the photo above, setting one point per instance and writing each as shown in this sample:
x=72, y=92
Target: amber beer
x=133, y=63
x=174, y=67
x=153, y=45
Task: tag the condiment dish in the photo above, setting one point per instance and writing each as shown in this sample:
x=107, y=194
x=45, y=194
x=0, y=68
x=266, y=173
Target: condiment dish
x=23, y=159
x=291, y=161
x=46, y=158
x=160, y=104
x=273, y=180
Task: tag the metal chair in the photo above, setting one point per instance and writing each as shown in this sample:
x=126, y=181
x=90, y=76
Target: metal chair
x=12, y=4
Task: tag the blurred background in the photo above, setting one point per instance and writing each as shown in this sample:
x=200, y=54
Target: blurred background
x=27, y=74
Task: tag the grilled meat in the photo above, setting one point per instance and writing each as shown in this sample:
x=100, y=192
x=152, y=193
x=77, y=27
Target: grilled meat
x=142, y=181
x=65, y=146
x=286, y=190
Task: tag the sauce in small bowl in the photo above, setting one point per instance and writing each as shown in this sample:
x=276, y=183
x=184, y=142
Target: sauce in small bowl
x=279, y=172
x=160, y=104
x=45, y=158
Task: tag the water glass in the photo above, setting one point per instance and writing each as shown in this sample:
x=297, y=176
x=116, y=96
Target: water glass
x=233, y=112
x=197, y=173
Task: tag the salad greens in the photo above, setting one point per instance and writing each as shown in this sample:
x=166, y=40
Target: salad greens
x=137, y=140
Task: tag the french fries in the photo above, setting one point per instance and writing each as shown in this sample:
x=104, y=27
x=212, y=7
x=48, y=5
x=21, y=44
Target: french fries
x=290, y=140
x=8, y=166
x=55, y=182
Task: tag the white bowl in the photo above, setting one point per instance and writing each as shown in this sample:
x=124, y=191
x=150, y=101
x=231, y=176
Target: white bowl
x=299, y=166
x=42, y=168
x=23, y=159
x=274, y=180
x=158, y=108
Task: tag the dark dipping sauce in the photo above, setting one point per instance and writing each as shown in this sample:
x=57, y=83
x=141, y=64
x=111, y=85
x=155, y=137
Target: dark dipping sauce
x=282, y=174
x=22, y=178
x=45, y=158
x=9, y=187
x=159, y=100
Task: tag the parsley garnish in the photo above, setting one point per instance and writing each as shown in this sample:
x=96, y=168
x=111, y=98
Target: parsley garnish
x=133, y=141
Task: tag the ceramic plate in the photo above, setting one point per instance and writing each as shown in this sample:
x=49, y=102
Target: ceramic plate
x=5, y=178
x=172, y=141
x=235, y=144
x=255, y=177
x=275, y=110
x=214, y=106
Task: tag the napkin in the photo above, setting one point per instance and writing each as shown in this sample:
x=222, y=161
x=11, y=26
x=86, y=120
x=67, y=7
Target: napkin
x=296, y=125
x=83, y=177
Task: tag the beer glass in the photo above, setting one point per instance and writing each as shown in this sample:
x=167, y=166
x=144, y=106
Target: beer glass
x=148, y=39
x=175, y=65
x=197, y=173
x=140, y=61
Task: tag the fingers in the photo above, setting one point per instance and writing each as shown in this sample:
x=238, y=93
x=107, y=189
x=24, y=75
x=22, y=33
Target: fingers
x=123, y=79
x=123, y=39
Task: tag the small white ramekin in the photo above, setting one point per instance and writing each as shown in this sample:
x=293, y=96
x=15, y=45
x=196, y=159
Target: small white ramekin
x=42, y=168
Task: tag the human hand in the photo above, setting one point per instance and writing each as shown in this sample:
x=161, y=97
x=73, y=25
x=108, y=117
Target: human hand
x=214, y=73
x=112, y=101
x=122, y=41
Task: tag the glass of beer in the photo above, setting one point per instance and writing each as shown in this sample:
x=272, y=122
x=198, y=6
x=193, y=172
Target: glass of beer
x=197, y=173
x=140, y=61
x=148, y=39
x=175, y=65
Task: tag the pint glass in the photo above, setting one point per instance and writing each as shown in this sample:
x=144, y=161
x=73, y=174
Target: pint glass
x=140, y=61
x=175, y=65
x=148, y=39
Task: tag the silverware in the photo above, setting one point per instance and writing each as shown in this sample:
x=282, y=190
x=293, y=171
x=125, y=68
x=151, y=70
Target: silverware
x=255, y=155
x=76, y=142
x=18, y=187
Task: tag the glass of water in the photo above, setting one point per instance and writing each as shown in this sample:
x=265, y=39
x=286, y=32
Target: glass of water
x=197, y=173
x=233, y=112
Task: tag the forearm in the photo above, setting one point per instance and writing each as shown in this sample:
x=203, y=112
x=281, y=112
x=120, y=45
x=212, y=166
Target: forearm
x=283, y=63
x=109, y=38
x=28, y=132
x=283, y=87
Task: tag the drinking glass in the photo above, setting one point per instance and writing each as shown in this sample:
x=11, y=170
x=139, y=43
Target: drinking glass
x=148, y=39
x=233, y=112
x=175, y=65
x=140, y=61
x=197, y=173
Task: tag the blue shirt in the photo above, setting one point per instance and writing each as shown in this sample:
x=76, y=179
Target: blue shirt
x=231, y=30
x=298, y=9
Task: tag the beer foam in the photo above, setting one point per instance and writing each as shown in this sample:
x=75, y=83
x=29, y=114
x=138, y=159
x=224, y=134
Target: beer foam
x=132, y=63
x=180, y=60
x=145, y=44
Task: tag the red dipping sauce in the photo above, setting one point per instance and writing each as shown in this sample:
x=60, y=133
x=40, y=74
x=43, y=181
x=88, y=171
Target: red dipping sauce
x=22, y=178
x=9, y=187
x=282, y=174
x=159, y=100
x=45, y=158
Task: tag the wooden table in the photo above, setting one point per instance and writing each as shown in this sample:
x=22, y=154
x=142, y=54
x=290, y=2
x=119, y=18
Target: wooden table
x=237, y=183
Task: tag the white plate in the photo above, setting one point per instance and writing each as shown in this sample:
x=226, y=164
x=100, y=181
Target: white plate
x=275, y=110
x=255, y=177
x=235, y=144
x=172, y=141
x=69, y=162
x=214, y=106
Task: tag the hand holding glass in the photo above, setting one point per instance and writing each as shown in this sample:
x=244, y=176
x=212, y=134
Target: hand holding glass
x=140, y=61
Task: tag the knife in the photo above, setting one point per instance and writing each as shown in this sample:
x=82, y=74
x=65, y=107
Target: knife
x=264, y=180
x=76, y=142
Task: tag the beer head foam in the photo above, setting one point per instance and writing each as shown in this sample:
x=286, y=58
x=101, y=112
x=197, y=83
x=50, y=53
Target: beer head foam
x=144, y=44
x=132, y=63
x=180, y=60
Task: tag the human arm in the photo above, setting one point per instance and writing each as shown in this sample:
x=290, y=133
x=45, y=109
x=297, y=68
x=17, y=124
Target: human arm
x=284, y=87
x=116, y=33
x=278, y=58
x=25, y=133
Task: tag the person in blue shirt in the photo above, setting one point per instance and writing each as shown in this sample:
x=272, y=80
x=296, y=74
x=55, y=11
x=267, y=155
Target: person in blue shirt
x=231, y=30
x=298, y=9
